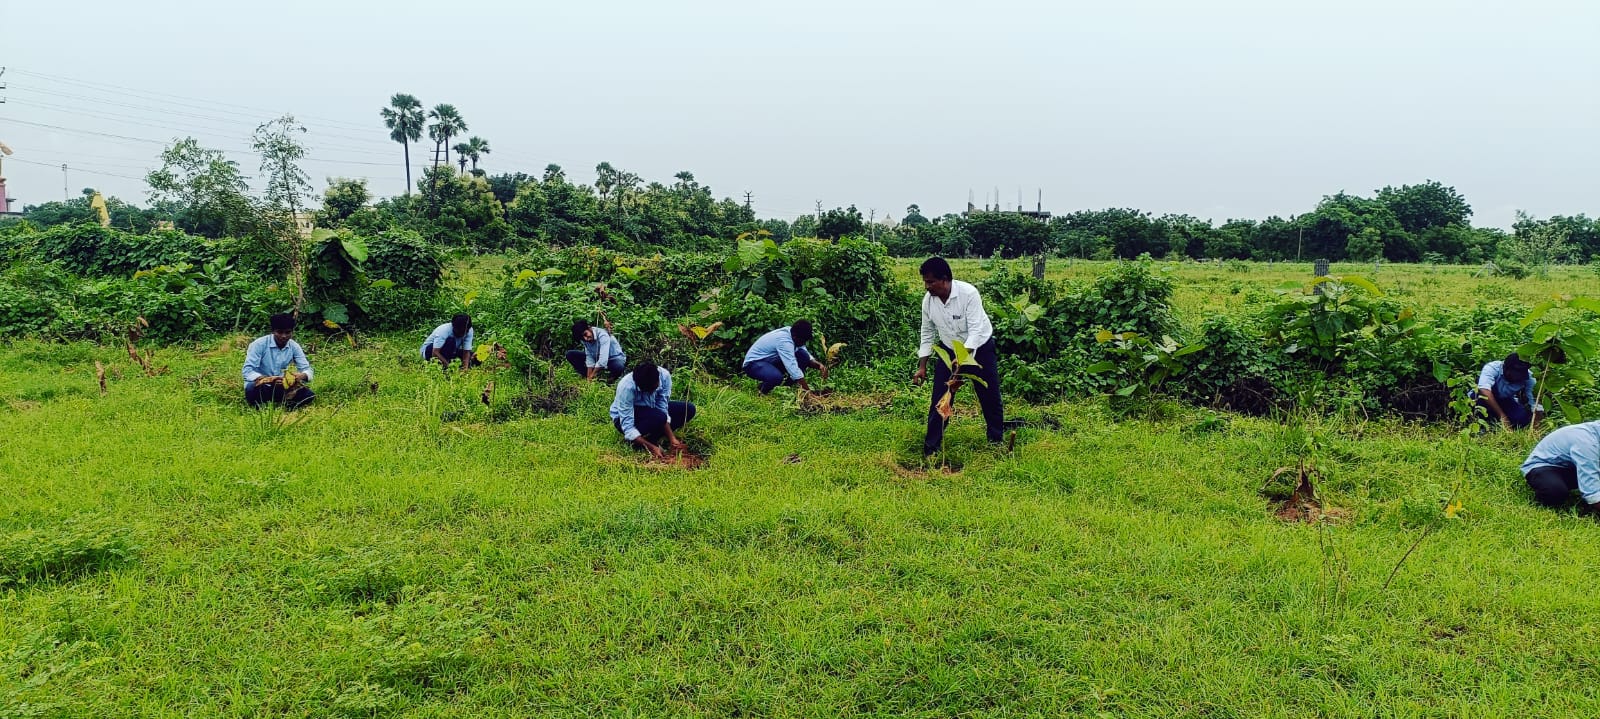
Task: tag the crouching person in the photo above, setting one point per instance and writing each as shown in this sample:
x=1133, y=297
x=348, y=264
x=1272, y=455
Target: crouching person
x=450, y=341
x=601, y=351
x=780, y=357
x=644, y=413
x=1505, y=393
x=1566, y=460
x=264, y=365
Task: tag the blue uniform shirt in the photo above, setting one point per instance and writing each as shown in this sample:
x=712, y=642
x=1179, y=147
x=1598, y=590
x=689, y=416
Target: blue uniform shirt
x=265, y=359
x=777, y=343
x=442, y=333
x=1576, y=446
x=1493, y=378
x=628, y=395
x=598, y=353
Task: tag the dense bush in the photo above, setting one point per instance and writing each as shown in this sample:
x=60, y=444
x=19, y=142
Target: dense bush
x=89, y=249
x=404, y=258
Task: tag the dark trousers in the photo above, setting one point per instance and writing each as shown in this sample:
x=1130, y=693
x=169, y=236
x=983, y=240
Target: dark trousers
x=770, y=372
x=994, y=415
x=449, y=351
x=1518, y=414
x=653, y=424
x=1553, y=486
x=615, y=366
x=257, y=395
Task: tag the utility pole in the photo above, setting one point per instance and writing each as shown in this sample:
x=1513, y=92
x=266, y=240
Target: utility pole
x=2, y=98
x=1301, y=245
x=64, y=196
x=747, y=199
x=872, y=223
x=819, y=212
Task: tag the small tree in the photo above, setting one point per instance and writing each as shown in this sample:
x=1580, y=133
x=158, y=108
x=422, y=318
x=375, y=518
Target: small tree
x=281, y=152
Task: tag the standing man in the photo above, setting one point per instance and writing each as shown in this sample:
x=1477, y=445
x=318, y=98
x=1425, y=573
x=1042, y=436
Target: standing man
x=644, y=413
x=601, y=350
x=782, y=353
x=265, y=361
x=449, y=341
x=1565, y=460
x=952, y=310
x=1505, y=393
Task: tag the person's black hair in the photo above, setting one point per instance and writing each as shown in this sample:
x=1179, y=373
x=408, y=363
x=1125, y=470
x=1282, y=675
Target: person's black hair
x=461, y=323
x=646, y=376
x=936, y=268
x=282, y=321
x=800, y=332
x=578, y=328
x=1515, y=369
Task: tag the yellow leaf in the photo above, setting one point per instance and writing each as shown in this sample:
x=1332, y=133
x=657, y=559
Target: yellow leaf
x=1103, y=336
x=330, y=324
x=1452, y=509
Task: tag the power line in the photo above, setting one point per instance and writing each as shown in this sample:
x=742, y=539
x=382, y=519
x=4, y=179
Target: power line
x=74, y=168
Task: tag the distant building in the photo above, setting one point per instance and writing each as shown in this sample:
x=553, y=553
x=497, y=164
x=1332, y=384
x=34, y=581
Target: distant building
x=5, y=201
x=305, y=223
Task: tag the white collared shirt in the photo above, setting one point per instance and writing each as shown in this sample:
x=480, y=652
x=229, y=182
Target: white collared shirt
x=959, y=318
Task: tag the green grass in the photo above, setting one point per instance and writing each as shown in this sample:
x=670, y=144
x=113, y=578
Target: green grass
x=168, y=553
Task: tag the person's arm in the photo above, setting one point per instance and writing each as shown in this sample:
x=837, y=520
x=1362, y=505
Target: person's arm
x=252, y=360
x=786, y=356
x=925, y=346
x=1487, y=395
x=464, y=350
x=979, y=329
x=1586, y=460
x=301, y=361
x=602, y=353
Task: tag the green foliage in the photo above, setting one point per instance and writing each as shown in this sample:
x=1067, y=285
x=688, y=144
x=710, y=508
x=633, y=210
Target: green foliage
x=1561, y=347
x=336, y=276
x=69, y=551
x=1139, y=366
x=89, y=249
x=1324, y=319
x=404, y=258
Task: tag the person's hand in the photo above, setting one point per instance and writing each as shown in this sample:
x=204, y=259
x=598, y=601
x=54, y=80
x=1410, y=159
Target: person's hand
x=655, y=451
x=302, y=378
x=1505, y=423
x=918, y=376
x=268, y=380
x=678, y=445
x=824, y=372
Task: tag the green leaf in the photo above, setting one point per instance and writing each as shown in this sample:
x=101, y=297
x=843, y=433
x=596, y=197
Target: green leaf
x=471, y=296
x=1589, y=304
x=322, y=233
x=1102, y=366
x=1538, y=312
x=1545, y=331
x=943, y=356
x=1570, y=411
x=1128, y=390
x=732, y=264
x=1363, y=283
x=383, y=284
x=355, y=247
x=1191, y=349
x=336, y=312
x=963, y=357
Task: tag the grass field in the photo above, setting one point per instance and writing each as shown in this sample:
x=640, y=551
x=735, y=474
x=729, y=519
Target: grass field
x=165, y=552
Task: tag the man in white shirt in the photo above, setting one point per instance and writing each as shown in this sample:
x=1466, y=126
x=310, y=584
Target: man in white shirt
x=266, y=379
x=953, y=311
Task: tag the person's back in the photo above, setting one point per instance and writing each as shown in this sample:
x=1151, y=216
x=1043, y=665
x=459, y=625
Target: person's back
x=1565, y=460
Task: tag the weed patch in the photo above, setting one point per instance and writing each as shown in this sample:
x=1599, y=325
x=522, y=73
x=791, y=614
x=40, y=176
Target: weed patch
x=71, y=550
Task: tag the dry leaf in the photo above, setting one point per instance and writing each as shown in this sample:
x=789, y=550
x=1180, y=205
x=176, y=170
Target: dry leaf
x=100, y=374
x=944, y=408
x=488, y=391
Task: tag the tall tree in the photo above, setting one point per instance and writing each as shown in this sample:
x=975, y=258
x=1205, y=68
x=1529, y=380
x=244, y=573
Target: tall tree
x=462, y=149
x=476, y=148
x=447, y=123
x=405, y=121
x=205, y=189
x=280, y=148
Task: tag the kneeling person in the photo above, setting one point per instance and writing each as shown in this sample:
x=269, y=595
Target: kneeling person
x=782, y=353
x=601, y=350
x=264, y=365
x=1505, y=393
x=644, y=413
x=450, y=341
x=1567, y=459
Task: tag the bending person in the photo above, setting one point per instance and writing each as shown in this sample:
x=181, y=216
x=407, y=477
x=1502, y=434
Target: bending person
x=644, y=412
x=952, y=310
x=601, y=350
x=1505, y=393
x=265, y=363
x=450, y=341
x=1567, y=459
x=780, y=356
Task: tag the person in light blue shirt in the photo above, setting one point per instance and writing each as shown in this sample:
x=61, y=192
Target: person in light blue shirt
x=601, y=350
x=1565, y=460
x=1505, y=393
x=780, y=353
x=450, y=341
x=644, y=412
x=265, y=362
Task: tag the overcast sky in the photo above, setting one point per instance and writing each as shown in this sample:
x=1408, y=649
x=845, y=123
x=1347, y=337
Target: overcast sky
x=1216, y=108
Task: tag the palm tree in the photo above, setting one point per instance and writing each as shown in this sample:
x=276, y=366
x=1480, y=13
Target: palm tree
x=462, y=149
x=404, y=119
x=477, y=147
x=447, y=123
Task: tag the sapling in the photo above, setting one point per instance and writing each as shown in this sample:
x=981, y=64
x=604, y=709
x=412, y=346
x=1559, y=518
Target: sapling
x=955, y=363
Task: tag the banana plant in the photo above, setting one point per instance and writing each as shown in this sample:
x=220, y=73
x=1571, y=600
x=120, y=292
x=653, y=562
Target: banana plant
x=956, y=363
x=697, y=335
